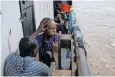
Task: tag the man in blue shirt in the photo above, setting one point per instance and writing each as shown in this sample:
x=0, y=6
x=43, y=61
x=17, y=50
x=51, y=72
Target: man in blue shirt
x=25, y=63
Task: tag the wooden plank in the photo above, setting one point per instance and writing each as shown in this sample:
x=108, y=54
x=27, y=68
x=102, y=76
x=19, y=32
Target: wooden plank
x=62, y=73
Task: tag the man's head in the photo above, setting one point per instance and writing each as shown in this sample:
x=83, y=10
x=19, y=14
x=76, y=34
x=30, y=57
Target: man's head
x=28, y=47
x=51, y=27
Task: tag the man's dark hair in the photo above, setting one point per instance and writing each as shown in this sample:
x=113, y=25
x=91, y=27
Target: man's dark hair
x=27, y=46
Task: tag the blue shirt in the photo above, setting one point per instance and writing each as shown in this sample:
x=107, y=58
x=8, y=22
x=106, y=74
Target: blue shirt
x=16, y=65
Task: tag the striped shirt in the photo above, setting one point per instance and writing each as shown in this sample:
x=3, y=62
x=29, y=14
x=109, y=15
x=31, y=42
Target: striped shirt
x=16, y=65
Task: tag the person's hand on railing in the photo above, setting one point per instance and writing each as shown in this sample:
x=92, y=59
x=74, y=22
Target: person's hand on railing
x=60, y=19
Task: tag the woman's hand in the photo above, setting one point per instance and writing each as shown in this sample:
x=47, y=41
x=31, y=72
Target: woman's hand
x=43, y=25
x=55, y=47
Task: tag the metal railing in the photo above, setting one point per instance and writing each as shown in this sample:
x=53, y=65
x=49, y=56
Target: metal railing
x=81, y=54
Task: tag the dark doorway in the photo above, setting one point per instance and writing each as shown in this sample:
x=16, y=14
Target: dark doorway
x=27, y=17
x=55, y=4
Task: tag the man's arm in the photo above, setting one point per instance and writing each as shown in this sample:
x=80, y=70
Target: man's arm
x=37, y=56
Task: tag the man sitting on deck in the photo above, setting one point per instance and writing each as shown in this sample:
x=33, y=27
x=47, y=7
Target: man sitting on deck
x=47, y=41
x=25, y=64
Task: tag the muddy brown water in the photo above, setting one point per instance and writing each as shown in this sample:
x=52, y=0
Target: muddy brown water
x=97, y=23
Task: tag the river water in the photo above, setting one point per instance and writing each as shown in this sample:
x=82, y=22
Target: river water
x=97, y=23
